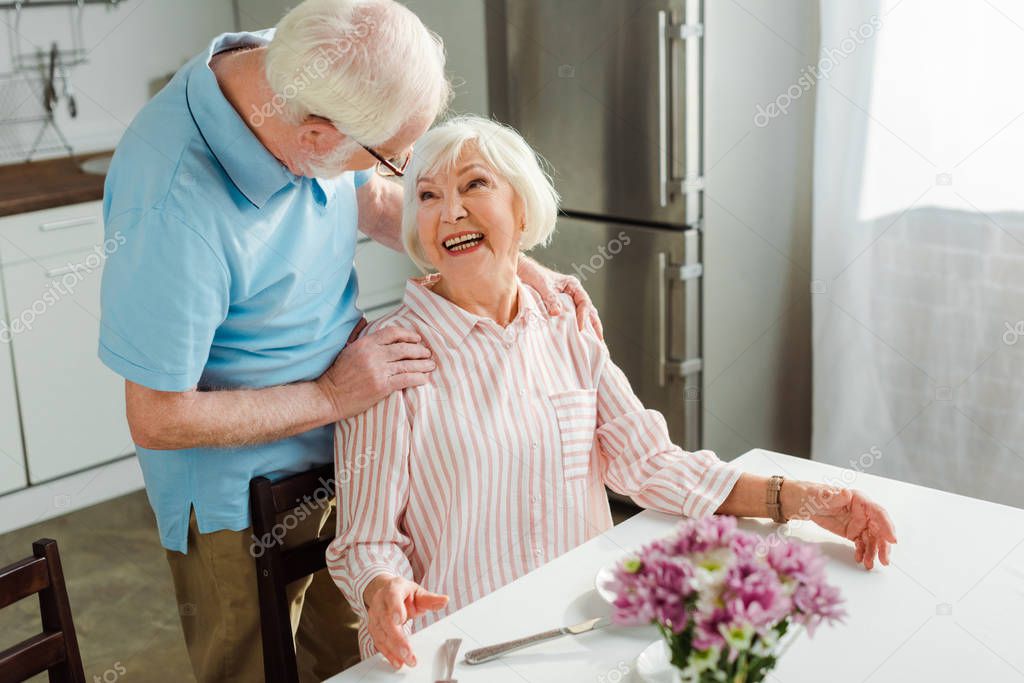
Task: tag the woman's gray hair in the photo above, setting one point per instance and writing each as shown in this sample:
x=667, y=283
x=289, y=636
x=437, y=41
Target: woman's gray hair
x=369, y=66
x=504, y=150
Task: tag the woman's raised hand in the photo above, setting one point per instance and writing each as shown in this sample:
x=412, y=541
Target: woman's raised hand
x=391, y=601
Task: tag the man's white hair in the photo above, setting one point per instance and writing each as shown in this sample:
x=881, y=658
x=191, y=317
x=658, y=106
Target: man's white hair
x=504, y=150
x=369, y=66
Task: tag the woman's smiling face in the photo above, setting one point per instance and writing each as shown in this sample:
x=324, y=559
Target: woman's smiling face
x=469, y=219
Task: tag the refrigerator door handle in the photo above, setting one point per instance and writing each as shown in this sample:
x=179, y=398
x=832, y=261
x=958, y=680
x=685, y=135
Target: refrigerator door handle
x=663, y=113
x=669, y=33
x=668, y=273
x=662, y=314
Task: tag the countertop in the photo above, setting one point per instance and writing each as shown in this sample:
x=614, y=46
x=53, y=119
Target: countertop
x=37, y=185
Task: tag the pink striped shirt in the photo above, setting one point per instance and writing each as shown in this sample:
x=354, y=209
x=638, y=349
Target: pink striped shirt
x=499, y=464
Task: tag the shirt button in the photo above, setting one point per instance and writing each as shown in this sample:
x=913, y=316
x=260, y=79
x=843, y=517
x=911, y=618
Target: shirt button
x=535, y=498
x=533, y=445
x=522, y=392
x=537, y=552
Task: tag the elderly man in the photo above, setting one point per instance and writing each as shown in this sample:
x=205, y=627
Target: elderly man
x=238, y=191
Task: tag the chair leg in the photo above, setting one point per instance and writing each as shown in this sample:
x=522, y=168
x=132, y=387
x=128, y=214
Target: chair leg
x=279, y=662
x=55, y=610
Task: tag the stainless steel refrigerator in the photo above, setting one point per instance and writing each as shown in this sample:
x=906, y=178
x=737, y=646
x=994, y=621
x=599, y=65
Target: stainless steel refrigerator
x=609, y=93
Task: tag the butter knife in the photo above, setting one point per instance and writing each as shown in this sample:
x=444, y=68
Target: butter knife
x=486, y=654
x=449, y=651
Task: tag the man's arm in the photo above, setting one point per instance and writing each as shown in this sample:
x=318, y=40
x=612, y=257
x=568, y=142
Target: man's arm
x=366, y=371
x=170, y=420
x=380, y=211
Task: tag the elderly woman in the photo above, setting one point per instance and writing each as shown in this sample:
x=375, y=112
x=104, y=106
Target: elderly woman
x=452, y=489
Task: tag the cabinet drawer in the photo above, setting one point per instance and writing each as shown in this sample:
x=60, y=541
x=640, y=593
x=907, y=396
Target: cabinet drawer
x=39, y=234
x=382, y=274
x=72, y=406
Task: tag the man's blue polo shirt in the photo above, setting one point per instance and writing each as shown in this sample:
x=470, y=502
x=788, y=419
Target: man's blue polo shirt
x=231, y=273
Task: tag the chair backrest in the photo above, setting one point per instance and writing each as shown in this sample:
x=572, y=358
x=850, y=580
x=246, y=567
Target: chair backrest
x=55, y=650
x=277, y=566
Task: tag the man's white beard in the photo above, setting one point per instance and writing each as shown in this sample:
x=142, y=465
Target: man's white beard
x=330, y=165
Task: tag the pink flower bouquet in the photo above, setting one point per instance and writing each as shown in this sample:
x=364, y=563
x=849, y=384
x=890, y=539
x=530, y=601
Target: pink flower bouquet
x=722, y=598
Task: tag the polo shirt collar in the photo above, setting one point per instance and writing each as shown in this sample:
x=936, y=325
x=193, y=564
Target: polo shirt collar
x=255, y=171
x=328, y=186
x=455, y=323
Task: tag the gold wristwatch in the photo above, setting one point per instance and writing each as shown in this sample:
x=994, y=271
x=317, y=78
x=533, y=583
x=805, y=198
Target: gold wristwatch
x=775, y=499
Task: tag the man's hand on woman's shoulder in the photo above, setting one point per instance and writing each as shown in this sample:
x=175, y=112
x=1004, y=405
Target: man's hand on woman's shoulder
x=372, y=367
x=550, y=284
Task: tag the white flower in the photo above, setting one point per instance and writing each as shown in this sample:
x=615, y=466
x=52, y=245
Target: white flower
x=709, y=570
x=700, y=661
x=738, y=637
x=688, y=675
x=715, y=561
x=709, y=599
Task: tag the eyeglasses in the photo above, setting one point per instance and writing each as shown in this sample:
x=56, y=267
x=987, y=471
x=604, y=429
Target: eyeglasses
x=390, y=167
x=385, y=167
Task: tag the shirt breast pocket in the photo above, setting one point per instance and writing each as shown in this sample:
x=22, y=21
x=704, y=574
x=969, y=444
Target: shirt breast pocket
x=576, y=413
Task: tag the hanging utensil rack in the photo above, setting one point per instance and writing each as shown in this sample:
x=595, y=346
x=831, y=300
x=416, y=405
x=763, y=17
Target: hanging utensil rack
x=38, y=79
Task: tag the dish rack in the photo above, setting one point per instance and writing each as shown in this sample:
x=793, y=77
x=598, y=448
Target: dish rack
x=27, y=128
x=38, y=80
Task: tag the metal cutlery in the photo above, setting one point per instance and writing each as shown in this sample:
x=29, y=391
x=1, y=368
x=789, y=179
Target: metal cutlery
x=50, y=95
x=449, y=651
x=486, y=654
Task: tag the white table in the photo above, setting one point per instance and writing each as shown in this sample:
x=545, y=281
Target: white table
x=948, y=608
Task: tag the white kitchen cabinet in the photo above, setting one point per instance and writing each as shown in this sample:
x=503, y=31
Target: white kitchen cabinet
x=12, y=459
x=39, y=234
x=72, y=407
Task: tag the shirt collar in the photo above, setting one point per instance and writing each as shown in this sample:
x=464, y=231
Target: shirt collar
x=328, y=186
x=255, y=171
x=455, y=323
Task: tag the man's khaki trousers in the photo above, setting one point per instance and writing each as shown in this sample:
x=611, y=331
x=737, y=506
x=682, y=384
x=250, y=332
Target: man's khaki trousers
x=216, y=588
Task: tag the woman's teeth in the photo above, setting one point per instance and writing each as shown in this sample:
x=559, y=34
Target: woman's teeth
x=463, y=241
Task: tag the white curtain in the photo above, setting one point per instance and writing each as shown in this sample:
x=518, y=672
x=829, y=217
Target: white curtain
x=918, y=250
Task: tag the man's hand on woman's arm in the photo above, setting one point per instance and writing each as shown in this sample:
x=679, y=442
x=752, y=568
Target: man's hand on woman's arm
x=390, y=602
x=367, y=370
x=844, y=512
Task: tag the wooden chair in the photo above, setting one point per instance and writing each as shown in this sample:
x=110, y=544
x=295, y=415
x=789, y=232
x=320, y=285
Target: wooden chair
x=276, y=566
x=55, y=650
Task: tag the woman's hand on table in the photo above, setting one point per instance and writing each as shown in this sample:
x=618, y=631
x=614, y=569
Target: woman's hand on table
x=550, y=284
x=391, y=601
x=844, y=512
